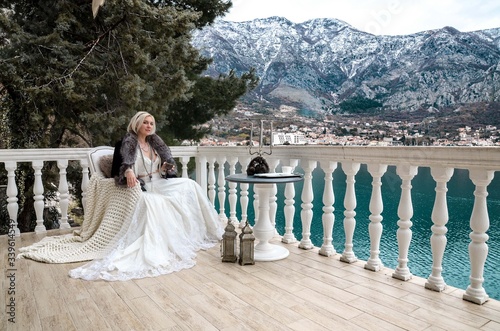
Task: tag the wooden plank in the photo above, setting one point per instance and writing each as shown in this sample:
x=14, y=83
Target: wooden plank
x=176, y=284
x=40, y=275
x=432, y=317
x=262, y=302
x=383, y=299
x=382, y=287
x=151, y=316
x=48, y=302
x=306, y=324
x=71, y=289
x=222, y=296
x=329, y=276
x=128, y=290
x=372, y=323
x=108, y=301
x=214, y=313
x=279, y=281
x=169, y=301
x=189, y=319
x=85, y=313
x=233, y=279
x=251, y=319
x=328, y=303
x=171, y=290
x=394, y=317
x=124, y=320
x=336, y=293
x=491, y=326
x=325, y=318
x=59, y=322
x=449, y=313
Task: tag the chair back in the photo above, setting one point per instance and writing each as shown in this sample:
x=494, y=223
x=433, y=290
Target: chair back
x=95, y=154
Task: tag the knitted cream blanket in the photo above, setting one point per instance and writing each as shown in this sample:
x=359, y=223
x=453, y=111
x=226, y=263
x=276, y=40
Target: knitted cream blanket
x=108, y=212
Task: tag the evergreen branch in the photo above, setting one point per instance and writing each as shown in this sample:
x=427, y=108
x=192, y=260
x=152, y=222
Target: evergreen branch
x=94, y=44
x=77, y=134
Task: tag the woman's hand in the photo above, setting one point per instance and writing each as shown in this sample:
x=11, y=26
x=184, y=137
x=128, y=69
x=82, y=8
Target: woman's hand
x=167, y=166
x=131, y=179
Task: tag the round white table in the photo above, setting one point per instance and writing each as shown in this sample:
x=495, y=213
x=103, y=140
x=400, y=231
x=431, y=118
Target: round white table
x=263, y=229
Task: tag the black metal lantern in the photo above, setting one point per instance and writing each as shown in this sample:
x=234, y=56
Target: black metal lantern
x=246, y=245
x=228, y=244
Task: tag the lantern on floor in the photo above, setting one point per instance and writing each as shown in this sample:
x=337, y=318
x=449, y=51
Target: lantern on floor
x=247, y=246
x=228, y=244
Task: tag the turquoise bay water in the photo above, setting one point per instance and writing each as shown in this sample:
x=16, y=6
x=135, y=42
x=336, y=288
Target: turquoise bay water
x=456, y=270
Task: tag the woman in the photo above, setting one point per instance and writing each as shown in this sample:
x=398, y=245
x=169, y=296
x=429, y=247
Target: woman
x=172, y=220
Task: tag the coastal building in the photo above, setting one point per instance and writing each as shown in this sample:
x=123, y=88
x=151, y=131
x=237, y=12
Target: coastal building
x=288, y=138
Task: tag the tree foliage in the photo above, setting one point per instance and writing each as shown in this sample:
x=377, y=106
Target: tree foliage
x=68, y=79
x=71, y=78
x=360, y=105
x=209, y=98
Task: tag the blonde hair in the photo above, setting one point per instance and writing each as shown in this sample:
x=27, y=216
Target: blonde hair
x=137, y=120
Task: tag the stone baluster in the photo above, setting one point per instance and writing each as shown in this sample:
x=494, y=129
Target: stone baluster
x=255, y=205
x=244, y=193
x=12, y=205
x=405, y=212
x=273, y=163
x=350, y=169
x=85, y=180
x=201, y=172
x=211, y=180
x=376, y=207
x=63, y=193
x=232, y=192
x=38, y=196
x=328, y=217
x=439, y=218
x=306, y=214
x=184, y=162
x=289, y=209
x=221, y=185
x=479, y=224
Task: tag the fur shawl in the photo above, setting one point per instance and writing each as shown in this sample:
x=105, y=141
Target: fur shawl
x=126, y=153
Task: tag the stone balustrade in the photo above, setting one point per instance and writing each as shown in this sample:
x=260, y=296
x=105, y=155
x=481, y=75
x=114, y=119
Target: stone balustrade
x=214, y=163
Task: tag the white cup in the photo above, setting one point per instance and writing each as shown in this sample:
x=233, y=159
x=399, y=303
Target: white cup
x=286, y=169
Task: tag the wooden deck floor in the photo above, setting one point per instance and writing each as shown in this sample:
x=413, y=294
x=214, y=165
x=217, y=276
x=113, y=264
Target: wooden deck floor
x=305, y=291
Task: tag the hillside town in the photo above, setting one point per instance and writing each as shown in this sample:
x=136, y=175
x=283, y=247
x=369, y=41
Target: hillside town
x=289, y=128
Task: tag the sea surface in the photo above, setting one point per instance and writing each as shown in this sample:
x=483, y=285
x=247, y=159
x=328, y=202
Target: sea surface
x=460, y=197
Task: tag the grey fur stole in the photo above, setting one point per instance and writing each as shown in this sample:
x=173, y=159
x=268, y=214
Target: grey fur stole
x=128, y=152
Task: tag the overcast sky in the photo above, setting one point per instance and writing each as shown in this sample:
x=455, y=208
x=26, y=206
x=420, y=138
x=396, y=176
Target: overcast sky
x=387, y=17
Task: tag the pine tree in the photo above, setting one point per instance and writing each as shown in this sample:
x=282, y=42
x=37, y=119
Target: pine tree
x=71, y=78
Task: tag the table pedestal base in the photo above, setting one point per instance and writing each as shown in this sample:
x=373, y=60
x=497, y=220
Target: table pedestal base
x=264, y=231
x=270, y=253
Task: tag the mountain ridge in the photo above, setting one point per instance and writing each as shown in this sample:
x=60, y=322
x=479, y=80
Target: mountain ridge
x=321, y=64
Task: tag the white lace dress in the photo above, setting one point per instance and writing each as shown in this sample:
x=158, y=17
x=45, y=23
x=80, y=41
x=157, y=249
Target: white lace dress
x=172, y=221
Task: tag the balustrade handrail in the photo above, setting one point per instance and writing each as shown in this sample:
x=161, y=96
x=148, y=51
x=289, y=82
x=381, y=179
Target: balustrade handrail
x=454, y=156
x=449, y=156
x=211, y=169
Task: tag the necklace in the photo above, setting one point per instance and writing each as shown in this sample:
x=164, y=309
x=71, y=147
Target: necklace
x=145, y=148
x=150, y=172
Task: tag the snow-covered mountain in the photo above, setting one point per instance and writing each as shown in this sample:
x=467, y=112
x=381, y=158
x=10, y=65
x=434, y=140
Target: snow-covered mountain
x=323, y=62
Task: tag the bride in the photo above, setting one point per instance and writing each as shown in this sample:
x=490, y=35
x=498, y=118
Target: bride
x=170, y=222
x=173, y=218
